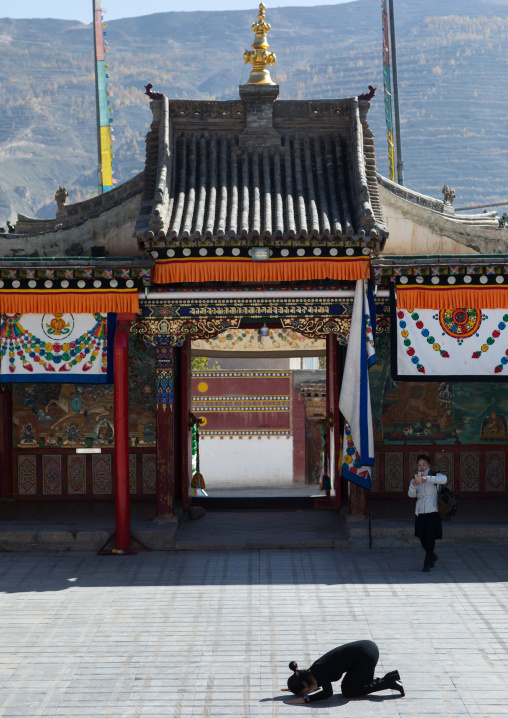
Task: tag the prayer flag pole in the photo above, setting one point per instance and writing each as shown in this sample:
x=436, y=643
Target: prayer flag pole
x=400, y=164
x=104, y=111
x=389, y=40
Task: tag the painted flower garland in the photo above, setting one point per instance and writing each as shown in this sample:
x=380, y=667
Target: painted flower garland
x=15, y=340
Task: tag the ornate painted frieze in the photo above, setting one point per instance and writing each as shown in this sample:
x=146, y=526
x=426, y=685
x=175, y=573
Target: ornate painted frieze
x=311, y=317
x=443, y=275
x=55, y=278
x=466, y=276
x=250, y=340
x=320, y=327
x=173, y=332
x=248, y=308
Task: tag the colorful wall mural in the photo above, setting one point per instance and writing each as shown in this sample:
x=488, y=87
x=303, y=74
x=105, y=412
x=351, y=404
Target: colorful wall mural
x=73, y=415
x=435, y=412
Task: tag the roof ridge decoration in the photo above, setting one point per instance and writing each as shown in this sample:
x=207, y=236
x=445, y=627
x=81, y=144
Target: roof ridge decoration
x=259, y=57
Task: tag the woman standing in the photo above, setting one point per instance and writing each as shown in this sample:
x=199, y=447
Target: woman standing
x=356, y=660
x=428, y=526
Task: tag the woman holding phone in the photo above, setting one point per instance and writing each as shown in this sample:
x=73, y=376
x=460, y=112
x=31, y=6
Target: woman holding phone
x=428, y=527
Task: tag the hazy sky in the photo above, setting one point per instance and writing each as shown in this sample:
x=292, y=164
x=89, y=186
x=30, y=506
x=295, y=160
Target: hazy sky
x=82, y=9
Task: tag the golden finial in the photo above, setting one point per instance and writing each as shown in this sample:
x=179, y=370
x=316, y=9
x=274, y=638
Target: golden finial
x=259, y=57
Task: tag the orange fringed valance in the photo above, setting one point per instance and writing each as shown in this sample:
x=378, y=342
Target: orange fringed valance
x=174, y=271
x=490, y=297
x=75, y=302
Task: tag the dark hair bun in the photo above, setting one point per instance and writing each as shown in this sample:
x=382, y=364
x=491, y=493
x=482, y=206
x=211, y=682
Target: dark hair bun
x=293, y=666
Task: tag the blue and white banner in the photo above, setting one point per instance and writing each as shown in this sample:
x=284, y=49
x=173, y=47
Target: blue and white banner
x=354, y=402
x=75, y=348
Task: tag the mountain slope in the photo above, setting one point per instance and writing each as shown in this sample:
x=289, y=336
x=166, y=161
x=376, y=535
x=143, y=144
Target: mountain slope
x=452, y=62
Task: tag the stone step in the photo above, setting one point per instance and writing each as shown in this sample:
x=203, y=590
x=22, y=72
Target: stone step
x=19, y=536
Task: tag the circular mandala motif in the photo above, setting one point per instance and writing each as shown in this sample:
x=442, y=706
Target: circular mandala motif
x=460, y=323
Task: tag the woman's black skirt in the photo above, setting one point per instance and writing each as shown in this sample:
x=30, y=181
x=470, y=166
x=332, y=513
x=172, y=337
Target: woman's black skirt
x=428, y=526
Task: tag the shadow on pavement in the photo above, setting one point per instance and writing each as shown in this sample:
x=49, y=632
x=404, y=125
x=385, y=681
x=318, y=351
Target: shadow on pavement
x=58, y=571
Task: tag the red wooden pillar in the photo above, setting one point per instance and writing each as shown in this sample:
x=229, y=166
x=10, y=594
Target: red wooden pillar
x=165, y=370
x=121, y=419
x=185, y=458
x=6, y=441
x=178, y=427
x=332, y=410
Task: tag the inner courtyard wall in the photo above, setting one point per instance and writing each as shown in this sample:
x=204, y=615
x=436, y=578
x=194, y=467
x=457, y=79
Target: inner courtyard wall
x=253, y=461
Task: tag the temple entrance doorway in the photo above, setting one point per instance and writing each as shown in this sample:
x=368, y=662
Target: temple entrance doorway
x=259, y=394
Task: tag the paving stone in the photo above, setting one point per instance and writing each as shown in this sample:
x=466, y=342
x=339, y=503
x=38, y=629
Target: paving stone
x=211, y=633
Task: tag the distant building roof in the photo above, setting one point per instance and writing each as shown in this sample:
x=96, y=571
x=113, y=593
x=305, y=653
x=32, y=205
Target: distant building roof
x=422, y=225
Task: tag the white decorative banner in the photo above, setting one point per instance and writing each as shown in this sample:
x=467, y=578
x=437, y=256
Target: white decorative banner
x=438, y=345
x=354, y=401
x=57, y=347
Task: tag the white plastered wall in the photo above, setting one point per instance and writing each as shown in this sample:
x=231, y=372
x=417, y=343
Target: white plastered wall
x=418, y=230
x=246, y=461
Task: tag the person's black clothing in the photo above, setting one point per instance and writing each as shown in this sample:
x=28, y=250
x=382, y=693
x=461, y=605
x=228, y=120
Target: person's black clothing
x=428, y=526
x=357, y=660
x=428, y=546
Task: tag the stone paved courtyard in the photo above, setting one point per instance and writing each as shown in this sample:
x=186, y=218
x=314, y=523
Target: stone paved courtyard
x=211, y=633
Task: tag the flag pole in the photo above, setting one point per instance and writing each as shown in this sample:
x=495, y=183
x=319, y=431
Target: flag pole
x=387, y=91
x=400, y=164
x=99, y=158
x=102, y=93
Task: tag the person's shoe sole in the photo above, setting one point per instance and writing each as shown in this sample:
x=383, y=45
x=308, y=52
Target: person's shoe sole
x=399, y=687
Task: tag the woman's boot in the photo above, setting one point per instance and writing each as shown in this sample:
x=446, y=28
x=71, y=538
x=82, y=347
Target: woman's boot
x=389, y=682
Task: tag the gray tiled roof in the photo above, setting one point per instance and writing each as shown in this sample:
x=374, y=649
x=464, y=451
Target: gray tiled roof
x=319, y=181
x=220, y=189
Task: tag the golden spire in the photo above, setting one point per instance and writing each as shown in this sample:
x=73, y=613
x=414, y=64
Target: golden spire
x=259, y=57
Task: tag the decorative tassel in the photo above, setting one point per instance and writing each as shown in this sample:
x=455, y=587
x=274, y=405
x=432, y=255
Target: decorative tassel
x=198, y=481
x=325, y=484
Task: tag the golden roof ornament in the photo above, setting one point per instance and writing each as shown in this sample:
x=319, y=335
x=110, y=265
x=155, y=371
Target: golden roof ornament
x=259, y=57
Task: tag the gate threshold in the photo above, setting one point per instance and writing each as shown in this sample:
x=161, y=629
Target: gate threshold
x=267, y=503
